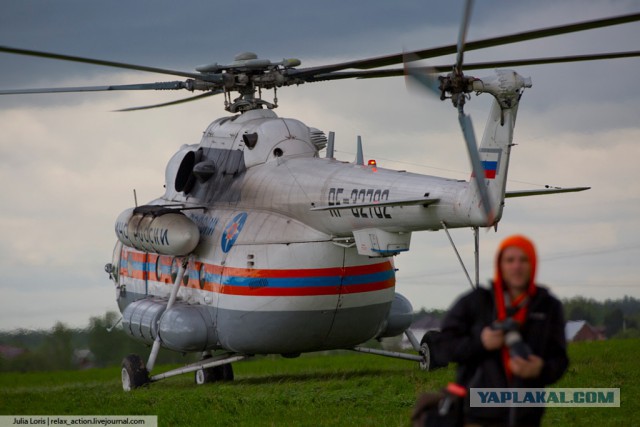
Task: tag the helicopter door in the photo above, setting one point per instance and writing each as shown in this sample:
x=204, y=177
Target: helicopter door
x=366, y=293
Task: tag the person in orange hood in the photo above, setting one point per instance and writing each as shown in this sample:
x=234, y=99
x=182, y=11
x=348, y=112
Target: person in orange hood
x=510, y=335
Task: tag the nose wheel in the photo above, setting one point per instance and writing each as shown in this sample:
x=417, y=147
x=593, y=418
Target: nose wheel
x=134, y=374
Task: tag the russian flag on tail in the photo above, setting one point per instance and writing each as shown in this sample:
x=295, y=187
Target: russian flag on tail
x=490, y=162
x=490, y=169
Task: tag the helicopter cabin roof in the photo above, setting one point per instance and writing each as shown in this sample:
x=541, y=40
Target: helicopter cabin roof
x=263, y=136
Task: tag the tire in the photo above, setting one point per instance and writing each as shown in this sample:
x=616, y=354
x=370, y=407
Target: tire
x=224, y=372
x=427, y=344
x=205, y=376
x=133, y=374
x=425, y=364
x=215, y=374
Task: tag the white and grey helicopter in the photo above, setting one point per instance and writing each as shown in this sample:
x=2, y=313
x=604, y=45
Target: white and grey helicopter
x=261, y=246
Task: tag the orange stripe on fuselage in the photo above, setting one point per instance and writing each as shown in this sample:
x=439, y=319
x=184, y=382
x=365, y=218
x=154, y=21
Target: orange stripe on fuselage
x=149, y=268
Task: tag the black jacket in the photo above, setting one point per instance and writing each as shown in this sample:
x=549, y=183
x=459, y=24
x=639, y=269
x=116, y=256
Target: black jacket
x=460, y=342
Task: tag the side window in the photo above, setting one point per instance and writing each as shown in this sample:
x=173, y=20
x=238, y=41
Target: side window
x=188, y=273
x=159, y=269
x=174, y=270
x=202, y=279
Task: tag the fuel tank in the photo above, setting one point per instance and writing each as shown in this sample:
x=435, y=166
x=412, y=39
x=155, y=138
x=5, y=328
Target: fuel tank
x=157, y=229
x=182, y=328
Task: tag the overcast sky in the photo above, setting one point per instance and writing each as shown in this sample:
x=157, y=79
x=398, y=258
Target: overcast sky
x=68, y=165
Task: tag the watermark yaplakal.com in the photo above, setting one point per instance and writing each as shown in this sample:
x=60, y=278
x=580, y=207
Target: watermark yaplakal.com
x=586, y=397
x=79, y=420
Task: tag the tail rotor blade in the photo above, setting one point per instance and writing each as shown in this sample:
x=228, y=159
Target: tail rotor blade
x=422, y=77
x=476, y=165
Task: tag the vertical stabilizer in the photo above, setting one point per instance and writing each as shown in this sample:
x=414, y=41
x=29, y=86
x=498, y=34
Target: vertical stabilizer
x=506, y=87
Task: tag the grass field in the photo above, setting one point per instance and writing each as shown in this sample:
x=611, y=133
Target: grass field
x=343, y=389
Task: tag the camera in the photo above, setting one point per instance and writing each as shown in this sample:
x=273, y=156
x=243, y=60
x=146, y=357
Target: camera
x=512, y=337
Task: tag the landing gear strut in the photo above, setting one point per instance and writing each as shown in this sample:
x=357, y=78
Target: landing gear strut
x=423, y=356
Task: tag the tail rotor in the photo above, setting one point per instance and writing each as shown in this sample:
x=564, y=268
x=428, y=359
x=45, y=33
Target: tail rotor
x=456, y=86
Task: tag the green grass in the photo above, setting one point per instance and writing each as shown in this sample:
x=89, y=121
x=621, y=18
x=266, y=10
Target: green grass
x=343, y=389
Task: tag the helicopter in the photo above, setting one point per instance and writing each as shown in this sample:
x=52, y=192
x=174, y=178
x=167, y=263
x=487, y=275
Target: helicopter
x=257, y=235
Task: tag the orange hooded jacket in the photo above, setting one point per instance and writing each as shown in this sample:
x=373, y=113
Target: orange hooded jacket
x=520, y=314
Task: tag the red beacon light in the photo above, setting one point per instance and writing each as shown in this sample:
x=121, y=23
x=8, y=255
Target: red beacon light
x=373, y=165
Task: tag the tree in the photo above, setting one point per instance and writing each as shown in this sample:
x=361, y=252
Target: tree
x=581, y=312
x=613, y=321
x=58, y=349
x=107, y=347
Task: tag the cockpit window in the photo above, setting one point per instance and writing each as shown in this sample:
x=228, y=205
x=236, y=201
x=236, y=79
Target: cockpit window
x=250, y=140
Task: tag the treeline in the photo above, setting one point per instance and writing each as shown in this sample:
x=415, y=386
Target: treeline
x=617, y=318
x=63, y=348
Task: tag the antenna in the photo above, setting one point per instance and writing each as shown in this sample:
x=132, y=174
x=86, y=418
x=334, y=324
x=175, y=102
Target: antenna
x=135, y=198
x=330, y=143
x=359, y=155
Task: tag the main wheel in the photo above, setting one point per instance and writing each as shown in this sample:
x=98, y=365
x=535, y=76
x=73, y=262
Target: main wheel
x=224, y=372
x=217, y=373
x=433, y=360
x=425, y=363
x=206, y=375
x=134, y=374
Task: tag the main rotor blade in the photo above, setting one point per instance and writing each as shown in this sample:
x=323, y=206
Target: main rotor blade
x=104, y=63
x=166, y=104
x=395, y=72
x=142, y=86
x=386, y=60
x=476, y=165
x=548, y=60
x=462, y=34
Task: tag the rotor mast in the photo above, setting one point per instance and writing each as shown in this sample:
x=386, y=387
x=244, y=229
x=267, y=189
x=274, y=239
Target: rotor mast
x=247, y=75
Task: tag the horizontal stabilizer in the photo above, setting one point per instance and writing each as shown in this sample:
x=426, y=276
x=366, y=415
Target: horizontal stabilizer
x=424, y=201
x=526, y=193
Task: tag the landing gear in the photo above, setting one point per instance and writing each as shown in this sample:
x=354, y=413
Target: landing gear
x=425, y=363
x=420, y=358
x=427, y=344
x=214, y=374
x=134, y=373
